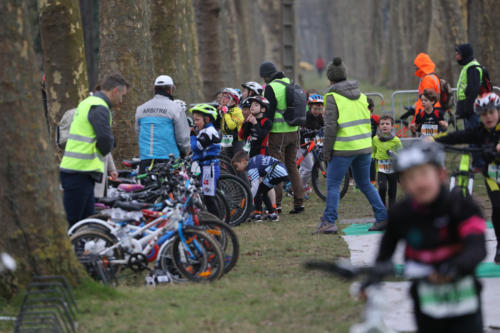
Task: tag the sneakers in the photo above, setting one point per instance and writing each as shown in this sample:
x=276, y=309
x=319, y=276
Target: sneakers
x=278, y=209
x=379, y=226
x=297, y=210
x=256, y=217
x=273, y=217
x=325, y=227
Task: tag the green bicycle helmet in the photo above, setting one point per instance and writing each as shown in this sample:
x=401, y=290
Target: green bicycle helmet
x=205, y=109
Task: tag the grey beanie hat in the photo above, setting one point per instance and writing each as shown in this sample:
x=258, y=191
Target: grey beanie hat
x=336, y=70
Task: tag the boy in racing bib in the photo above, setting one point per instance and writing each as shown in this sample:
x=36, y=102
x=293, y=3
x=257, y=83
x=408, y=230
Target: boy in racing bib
x=205, y=144
x=384, y=143
x=257, y=127
x=486, y=134
x=231, y=121
x=264, y=172
x=445, y=241
x=430, y=120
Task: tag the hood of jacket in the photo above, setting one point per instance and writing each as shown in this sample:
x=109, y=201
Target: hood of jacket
x=425, y=65
x=348, y=89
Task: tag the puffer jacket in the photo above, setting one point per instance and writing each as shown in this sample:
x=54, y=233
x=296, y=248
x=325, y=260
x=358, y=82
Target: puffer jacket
x=428, y=80
x=162, y=129
x=206, y=145
x=348, y=89
x=232, y=121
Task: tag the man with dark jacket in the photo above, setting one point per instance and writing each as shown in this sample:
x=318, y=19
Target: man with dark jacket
x=468, y=86
x=283, y=140
x=90, y=139
x=347, y=144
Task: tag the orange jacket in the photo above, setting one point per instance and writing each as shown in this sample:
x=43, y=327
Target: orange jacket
x=428, y=80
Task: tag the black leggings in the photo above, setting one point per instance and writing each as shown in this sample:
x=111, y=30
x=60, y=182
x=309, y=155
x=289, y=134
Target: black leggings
x=212, y=204
x=494, y=195
x=392, y=179
x=262, y=195
x=373, y=170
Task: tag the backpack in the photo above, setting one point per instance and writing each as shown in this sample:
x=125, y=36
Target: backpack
x=296, y=101
x=447, y=96
x=486, y=85
x=62, y=130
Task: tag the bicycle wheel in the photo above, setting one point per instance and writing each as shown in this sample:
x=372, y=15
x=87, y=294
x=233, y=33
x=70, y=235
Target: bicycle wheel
x=318, y=180
x=227, y=238
x=223, y=206
x=225, y=165
x=90, y=241
x=239, y=196
x=166, y=262
x=199, y=258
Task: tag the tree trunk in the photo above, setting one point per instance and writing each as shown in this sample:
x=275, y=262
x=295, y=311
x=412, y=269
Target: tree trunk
x=90, y=18
x=33, y=222
x=175, y=46
x=125, y=47
x=63, y=57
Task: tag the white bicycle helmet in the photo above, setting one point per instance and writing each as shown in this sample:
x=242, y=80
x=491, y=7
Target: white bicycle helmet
x=253, y=86
x=485, y=102
x=235, y=95
x=181, y=103
x=419, y=154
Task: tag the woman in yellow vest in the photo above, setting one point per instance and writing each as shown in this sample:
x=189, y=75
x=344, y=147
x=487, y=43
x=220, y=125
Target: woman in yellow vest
x=347, y=143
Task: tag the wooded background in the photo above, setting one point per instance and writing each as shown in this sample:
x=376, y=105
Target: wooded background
x=204, y=45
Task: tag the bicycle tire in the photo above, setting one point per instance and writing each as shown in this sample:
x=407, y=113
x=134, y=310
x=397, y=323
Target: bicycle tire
x=239, y=197
x=208, y=264
x=92, y=234
x=223, y=206
x=318, y=180
x=166, y=263
x=225, y=235
x=225, y=165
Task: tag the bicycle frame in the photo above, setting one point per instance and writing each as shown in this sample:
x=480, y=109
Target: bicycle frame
x=463, y=177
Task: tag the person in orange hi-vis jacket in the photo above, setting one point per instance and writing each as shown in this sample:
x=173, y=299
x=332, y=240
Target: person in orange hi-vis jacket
x=428, y=80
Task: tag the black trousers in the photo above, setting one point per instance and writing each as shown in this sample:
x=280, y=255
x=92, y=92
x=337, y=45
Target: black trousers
x=373, y=170
x=494, y=195
x=388, y=182
x=78, y=197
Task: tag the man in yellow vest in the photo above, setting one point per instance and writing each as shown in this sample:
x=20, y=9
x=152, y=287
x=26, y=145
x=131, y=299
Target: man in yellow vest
x=347, y=143
x=90, y=139
x=468, y=87
x=283, y=139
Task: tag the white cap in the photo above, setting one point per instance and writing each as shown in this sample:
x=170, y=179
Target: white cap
x=164, y=80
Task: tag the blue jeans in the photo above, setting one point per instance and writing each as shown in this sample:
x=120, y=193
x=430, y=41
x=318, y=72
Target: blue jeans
x=477, y=159
x=337, y=168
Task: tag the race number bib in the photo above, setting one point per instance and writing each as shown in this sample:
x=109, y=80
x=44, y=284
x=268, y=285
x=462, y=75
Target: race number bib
x=429, y=130
x=494, y=172
x=448, y=300
x=385, y=166
x=208, y=180
x=227, y=140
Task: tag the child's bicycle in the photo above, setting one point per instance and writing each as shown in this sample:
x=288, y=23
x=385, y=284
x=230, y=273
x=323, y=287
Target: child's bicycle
x=320, y=167
x=371, y=289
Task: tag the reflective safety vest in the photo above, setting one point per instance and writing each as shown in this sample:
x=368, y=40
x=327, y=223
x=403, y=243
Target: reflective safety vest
x=81, y=152
x=354, y=131
x=462, y=79
x=279, y=123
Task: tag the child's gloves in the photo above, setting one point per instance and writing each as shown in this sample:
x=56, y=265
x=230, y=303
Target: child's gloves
x=224, y=109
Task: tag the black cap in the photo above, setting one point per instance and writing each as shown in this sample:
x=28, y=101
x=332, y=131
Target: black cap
x=267, y=69
x=466, y=51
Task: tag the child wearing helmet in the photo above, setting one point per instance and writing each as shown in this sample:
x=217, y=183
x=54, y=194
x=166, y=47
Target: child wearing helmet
x=487, y=135
x=312, y=128
x=256, y=127
x=231, y=121
x=205, y=144
x=250, y=89
x=445, y=241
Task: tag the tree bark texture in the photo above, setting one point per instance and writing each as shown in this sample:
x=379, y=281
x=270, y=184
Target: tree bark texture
x=63, y=57
x=125, y=47
x=33, y=222
x=175, y=46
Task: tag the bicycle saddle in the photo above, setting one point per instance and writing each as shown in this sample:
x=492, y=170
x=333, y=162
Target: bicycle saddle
x=131, y=206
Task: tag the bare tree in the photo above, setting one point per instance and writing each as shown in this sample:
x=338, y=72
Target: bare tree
x=125, y=47
x=63, y=56
x=33, y=222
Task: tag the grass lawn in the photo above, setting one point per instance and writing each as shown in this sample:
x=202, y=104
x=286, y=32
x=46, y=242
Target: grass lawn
x=268, y=291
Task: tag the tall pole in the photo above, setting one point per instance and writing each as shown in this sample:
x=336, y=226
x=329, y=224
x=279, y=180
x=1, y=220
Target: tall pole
x=288, y=37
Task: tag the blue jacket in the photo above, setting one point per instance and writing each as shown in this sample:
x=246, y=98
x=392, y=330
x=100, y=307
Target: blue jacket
x=162, y=129
x=206, y=145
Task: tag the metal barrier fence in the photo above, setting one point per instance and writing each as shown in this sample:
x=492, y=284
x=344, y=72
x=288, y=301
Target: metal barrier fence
x=379, y=102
